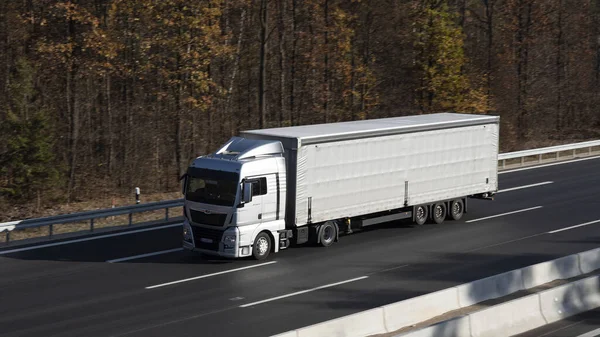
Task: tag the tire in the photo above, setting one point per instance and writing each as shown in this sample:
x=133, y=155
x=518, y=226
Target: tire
x=327, y=234
x=438, y=212
x=262, y=246
x=420, y=214
x=457, y=209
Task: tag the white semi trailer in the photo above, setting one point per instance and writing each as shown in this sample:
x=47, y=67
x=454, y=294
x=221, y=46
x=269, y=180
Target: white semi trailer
x=267, y=189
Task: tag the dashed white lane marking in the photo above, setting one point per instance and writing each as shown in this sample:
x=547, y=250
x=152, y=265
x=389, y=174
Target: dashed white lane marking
x=145, y=255
x=526, y=186
x=503, y=214
x=210, y=275
x=302, y=292
x=573, y=227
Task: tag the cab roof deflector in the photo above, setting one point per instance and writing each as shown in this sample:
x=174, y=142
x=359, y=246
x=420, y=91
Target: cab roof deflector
x=242, y=148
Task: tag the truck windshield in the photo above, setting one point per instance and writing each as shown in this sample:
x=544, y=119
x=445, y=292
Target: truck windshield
x=211, y=186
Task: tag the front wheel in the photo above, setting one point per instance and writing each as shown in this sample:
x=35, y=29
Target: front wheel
x=262, y=246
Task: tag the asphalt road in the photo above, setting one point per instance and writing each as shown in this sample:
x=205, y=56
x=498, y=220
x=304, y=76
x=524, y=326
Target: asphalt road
x=70, y=290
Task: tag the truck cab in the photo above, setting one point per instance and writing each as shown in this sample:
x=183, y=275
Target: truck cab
x=234, y=200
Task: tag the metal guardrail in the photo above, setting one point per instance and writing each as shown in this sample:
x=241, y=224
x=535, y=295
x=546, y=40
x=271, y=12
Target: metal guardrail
x=91, y=216
x=540, y=152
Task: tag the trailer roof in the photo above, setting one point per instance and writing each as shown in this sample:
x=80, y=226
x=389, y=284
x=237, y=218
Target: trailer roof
x=318, y=133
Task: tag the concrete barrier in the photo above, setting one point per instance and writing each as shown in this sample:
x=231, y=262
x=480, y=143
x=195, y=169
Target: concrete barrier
x=456, y=327
x=362, y=324
x=489, y=288
x=523, y=313
x=589, y=261
x=570, y=299
x=418, y=309
x=541, y=273
x=507, y=319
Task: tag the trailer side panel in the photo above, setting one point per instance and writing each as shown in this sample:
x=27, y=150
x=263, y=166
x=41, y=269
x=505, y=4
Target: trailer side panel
x=362, y=176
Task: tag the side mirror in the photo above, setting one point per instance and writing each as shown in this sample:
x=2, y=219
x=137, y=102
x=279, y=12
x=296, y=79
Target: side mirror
x=247, y=190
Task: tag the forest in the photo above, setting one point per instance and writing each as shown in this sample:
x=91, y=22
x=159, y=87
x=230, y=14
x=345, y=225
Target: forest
x=100, y=96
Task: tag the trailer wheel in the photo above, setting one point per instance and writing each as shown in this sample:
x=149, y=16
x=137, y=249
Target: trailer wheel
x=457, y=209
x=438, y=212
x=262, y=246
x=420, y=214
x=327, y=234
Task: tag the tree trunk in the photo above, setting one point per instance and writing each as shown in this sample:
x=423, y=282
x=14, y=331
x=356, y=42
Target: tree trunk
x=73, y=112
x=236, y=66
x=559, y=45
x=366, y=60
x=524, y=22
x=596, y=24
x=293, y=63
x=462, y=8
x=282, y=9
x=352, y=86
x=5, y=38
x=179, y=125
x=111, y=145
x=262, y=77
x=489, y=12
x=326, y=61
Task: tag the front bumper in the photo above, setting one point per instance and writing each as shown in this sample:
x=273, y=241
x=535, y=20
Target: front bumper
x=227, y=254
x=218, y=246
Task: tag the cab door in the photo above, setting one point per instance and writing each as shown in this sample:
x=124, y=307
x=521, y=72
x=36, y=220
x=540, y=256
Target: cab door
x=252, y=212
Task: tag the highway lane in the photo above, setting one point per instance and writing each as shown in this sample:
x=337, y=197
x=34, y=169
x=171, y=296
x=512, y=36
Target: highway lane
x=586, y=324
x=68, y=290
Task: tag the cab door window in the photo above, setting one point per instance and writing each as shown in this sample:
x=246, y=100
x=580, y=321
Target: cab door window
x=259, y=186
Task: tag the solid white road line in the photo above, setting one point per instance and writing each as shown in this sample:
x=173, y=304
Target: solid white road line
x=302, y=292
x=145, y=255
x=88, y=239
x=503, y=214
x=591, y=333
x=546, y=165
x=526, y=186
x=573, y=227
x=210, y=275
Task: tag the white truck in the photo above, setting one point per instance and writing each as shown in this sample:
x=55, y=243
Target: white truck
x=268, y=189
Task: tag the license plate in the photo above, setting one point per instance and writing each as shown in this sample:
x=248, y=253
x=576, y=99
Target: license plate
x=205, y=240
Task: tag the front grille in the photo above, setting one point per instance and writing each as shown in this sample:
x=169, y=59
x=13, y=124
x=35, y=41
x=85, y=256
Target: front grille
x=208, y=219
x=213, y=235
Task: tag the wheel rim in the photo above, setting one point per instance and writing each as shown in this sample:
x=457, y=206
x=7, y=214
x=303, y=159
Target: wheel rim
x=327, y=233
x=456, y=209
x=263, y=245
x=439, y=211
x=420, y=213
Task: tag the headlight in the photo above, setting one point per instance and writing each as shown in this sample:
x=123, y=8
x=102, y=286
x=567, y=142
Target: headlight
x=187, y=233
x=229, y=241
